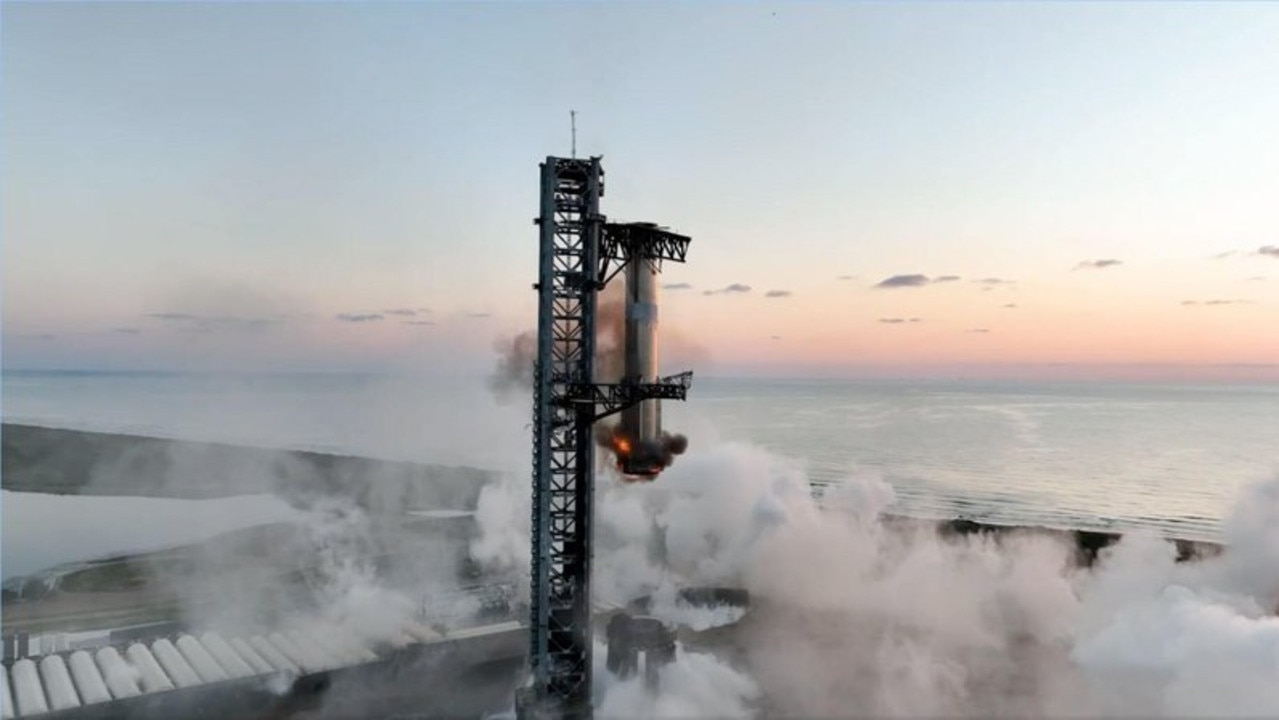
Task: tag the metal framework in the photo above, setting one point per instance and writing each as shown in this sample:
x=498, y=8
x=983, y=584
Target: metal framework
x=623, y=241
x=609, y=398
x=576, y=247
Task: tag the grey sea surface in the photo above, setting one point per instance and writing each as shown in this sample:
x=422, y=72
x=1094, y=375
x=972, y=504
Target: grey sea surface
x=1085, y=455
x=1078, y=455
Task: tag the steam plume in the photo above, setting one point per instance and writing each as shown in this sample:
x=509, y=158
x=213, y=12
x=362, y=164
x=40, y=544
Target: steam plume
x=855, y=616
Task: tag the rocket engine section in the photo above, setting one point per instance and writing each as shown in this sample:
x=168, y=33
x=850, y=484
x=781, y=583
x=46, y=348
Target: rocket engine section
x=643, y=450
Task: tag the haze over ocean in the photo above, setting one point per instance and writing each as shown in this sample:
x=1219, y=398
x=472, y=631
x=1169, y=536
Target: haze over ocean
x=1168, y=456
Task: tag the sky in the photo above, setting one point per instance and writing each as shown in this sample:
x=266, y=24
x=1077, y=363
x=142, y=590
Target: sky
x=1038, y=189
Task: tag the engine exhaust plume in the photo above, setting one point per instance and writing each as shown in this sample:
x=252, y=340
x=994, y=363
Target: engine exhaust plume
x=640, y=459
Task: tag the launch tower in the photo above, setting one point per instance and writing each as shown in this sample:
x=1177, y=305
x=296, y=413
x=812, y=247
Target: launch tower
x=579, y=254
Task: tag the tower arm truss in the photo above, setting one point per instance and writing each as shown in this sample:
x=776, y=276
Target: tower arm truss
x=622, y=242
x=605, y=399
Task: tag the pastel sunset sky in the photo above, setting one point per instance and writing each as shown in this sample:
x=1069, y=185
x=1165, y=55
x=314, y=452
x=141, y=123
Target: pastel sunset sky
x=874, y=189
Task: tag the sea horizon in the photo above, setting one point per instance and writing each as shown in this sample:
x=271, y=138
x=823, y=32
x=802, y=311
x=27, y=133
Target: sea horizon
x=1248, y=374
x=1170, y=455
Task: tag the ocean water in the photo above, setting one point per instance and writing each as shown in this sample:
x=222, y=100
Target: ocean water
x=1077, y=455
x=1095, y=455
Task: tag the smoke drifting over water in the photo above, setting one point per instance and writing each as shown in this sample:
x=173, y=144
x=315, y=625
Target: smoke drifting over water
x=855, y=617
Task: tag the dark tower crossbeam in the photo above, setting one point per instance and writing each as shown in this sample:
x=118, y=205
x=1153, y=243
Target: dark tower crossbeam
x=576, y=248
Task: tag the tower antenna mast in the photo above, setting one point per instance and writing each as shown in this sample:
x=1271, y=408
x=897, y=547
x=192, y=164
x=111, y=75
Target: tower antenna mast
x=572, y=120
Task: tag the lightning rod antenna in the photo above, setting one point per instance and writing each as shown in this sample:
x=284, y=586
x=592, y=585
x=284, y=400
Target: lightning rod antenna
x=572, y=119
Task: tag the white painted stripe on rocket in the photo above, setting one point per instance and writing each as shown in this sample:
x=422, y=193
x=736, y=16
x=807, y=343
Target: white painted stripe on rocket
x=147, y=669
x=88, y=680
x=27, y=691
x=57, y=683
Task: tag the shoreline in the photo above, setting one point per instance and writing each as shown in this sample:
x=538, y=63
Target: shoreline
x=64, y=461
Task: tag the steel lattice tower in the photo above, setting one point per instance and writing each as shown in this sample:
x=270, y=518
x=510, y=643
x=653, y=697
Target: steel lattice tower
x=576, y=247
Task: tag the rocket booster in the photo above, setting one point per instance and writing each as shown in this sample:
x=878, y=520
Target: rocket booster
x=642, y=421
x=643, y=450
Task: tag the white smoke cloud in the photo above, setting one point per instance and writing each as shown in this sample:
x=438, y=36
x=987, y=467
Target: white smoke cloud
x=502, y=514
x=853, y=616
x=695, y=685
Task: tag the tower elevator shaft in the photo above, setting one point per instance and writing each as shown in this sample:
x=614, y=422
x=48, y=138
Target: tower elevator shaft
x=577, y=253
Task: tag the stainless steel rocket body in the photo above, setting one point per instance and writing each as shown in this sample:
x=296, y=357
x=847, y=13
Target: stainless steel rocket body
x=641, y=424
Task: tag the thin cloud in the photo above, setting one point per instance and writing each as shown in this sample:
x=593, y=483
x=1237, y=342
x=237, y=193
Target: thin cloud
x=901, y=281
x=1098, y=264
x=735, y=288
x=981, y=331
x=775, y=337
x=1270, y=250
x=425, y=311
x=677, y=286
x=36, y=336
x=778, y=294
x=846, y=277
x=995, y=281
x=1216, y=302
x=915, y=280
x=209, y=323
x=126, y=331
x=1010, y=306
x=479, y=315
x=419, y=323
x=1256, y=278
x=1223, y=255
x=899, y=321
x=401, y=312
x=358, y=317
